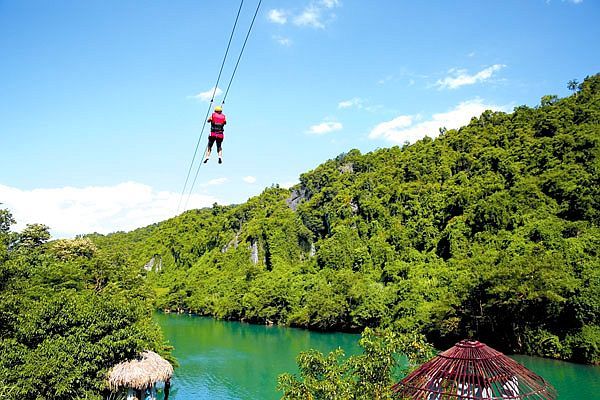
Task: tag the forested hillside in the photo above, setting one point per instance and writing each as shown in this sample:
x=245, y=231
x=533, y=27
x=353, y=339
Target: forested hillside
x=68, y=313
x=490, y=231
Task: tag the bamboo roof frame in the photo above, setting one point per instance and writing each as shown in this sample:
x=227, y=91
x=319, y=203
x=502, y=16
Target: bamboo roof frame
x=471, y=370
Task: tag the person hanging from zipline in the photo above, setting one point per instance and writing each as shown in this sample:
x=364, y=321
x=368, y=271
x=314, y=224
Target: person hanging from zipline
x=217, y=127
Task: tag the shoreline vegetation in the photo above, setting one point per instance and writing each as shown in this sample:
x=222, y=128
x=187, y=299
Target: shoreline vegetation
x=490, y=232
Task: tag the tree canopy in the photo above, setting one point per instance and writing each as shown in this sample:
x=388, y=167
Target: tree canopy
x=68, y=312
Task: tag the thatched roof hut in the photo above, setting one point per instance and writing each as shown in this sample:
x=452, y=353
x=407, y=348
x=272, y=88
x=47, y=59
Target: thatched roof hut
x=472, y=370
x=141, y=373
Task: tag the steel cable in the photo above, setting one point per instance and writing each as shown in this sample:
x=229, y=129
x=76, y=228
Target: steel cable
x=207, y=112
x=225, y=96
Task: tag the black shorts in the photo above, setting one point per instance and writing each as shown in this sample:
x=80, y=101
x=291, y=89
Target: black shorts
x=215, y=137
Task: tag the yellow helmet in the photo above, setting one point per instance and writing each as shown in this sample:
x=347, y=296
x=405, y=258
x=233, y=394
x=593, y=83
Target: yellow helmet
x=218, y=109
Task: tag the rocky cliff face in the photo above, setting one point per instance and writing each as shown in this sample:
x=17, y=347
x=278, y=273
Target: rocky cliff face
x=297, y=196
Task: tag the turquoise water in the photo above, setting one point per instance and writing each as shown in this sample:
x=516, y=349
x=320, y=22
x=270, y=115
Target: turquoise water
x=572, y=381
x=232, y=360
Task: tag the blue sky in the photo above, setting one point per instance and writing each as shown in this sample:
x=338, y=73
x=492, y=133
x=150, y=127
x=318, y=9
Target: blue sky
x=102, y=101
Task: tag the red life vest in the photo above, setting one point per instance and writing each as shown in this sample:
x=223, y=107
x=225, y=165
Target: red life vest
x=217, y=122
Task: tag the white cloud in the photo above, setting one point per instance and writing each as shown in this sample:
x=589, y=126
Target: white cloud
x=317, y=14
x=460, y=77
x=325, y=127
x=391, y=128
x=216, y=181
x=311, y=16
x=330, y=3
x=403, y=75
x=360, y=104
x=574, y=1
x=405, y=128
x=354, y=102
x=283, y=40
x=249, y=179
x=70, y=211
x=208, y=95
x=277, y=16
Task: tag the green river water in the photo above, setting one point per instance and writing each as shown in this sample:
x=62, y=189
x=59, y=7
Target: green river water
x=232, y=360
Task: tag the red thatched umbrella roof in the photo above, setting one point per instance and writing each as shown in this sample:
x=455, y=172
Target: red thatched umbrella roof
x=472, y=370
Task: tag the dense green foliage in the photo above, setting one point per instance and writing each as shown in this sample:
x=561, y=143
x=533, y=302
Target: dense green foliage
x=68, y=312
x=368, y=376
x=490, y=231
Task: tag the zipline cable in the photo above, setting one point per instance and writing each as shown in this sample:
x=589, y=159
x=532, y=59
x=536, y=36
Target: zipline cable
x=226, y=92
x=208, y=110
x=241, y=52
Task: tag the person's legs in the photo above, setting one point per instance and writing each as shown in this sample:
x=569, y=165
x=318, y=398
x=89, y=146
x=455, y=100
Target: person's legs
x=211, y=140
x=220, y=149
